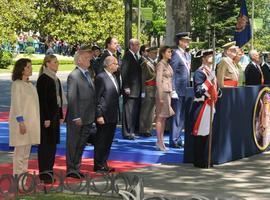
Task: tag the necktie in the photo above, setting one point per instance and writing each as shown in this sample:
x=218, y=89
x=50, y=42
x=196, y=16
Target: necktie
x=136, y=56
x=262, y=79
x=87, y=75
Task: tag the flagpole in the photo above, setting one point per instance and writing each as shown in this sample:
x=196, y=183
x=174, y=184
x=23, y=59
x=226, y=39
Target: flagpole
x=252, y=26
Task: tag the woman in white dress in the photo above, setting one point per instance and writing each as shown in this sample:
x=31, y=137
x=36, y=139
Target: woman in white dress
x=24, y=122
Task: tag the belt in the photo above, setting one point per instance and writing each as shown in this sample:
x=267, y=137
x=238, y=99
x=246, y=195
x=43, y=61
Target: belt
x=150, y=83
x=230, y=83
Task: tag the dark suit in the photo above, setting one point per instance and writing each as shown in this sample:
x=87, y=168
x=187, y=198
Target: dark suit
x=266, y=73
x=253, y=75
x=49, y=110
x=81, y=104
x=180, y=63
x=107, y=107
x=132, y=79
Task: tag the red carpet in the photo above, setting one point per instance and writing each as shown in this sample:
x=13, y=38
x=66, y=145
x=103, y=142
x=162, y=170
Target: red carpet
x=60, y=167
x=4, y=116
x=87, y=166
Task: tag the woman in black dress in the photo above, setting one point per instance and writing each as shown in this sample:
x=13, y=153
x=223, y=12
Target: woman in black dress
x=50, y=94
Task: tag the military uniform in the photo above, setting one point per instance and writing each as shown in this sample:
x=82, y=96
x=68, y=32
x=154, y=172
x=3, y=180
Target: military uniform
x=227, y=73
x=148, y=97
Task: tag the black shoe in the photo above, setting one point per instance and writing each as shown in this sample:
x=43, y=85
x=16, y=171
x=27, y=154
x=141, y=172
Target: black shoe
x=177, y=146
x=104, y=169
x=147, y=134
x=77, y=175
x=129, y=137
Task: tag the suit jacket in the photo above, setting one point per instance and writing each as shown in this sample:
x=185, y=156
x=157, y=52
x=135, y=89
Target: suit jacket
x=131, y=75
x=163, y=78
x=227, y=70
x=107, y=98
x=181, y=73
x=253, y=75
x=81, y=98
x=266, y=73
x=49, y=109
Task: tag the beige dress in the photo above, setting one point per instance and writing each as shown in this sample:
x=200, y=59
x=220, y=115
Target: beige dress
x=164, y=75
x=24, y=102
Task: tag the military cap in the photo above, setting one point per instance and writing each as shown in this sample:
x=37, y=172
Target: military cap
x=202, y=53
x=229, y=45
x=183, y=35
x=85, y=47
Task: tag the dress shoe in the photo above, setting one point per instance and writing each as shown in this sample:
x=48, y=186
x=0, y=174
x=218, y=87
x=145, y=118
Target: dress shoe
x=129, y=136
x=147, y=134
x=77, y=175
x=175, y=145
x=104, y=169
x=160, y=147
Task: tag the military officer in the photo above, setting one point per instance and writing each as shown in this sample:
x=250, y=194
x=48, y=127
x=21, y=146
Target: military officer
x=148, y=91
x=227, y=71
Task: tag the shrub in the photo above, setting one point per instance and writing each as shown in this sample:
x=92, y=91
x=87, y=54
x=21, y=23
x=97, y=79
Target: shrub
x=30, y=50
x=5, y=59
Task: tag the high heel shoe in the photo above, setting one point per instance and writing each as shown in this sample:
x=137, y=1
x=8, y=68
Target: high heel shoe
x=160, y=148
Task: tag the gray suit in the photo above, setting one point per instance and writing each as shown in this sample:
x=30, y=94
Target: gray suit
x=81, y=104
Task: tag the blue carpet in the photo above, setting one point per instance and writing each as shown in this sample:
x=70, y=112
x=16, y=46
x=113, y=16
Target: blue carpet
x=141, y=150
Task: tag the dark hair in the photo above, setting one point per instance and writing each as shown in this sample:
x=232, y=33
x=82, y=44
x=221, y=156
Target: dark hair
x=162, y=50
x=143, y=49
x=19, y=66
x=108, y=41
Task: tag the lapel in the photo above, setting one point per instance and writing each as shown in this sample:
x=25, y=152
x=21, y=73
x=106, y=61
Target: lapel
x=84, y=79
x=111, y=82
x=183, y=59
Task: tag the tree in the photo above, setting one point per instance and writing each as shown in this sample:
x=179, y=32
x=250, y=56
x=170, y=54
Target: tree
x=16, y=15
x=178, y=18
x=80, y=20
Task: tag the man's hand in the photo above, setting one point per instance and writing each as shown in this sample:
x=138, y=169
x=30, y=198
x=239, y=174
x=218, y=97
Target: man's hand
x=22, y=128
x=47, y=123
x=78, y=122
x=100, y=120
x=127, y=91
x=143, y=95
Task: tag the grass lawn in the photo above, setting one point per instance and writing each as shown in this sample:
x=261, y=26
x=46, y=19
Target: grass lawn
x=65, y=197
x=62, y=67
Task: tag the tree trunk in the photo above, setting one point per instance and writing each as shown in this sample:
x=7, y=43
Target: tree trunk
x=128, y=22
x=178, y=19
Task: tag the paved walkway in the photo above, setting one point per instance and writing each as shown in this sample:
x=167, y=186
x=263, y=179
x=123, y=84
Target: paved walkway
x=248, y=179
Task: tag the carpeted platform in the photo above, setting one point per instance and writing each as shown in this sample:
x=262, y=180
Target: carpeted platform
x=141, y=150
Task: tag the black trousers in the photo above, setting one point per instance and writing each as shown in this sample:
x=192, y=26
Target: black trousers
x=103, y=142
x=200, y=151
x=46, y=158
x=131, y=113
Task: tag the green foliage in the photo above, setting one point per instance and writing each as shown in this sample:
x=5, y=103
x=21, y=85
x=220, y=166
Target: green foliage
x=81, y=20
x=29, y=50
x=5, y=59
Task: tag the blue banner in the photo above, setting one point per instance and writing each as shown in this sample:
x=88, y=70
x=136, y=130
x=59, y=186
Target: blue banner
x=243, y=28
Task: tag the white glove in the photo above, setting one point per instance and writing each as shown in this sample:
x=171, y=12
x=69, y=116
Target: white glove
x=143, y=95
x=174, y=95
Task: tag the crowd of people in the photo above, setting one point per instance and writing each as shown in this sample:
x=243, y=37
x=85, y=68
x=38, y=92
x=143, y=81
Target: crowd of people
x=152, y=82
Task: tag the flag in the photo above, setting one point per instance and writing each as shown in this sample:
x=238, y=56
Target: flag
x=243, y=29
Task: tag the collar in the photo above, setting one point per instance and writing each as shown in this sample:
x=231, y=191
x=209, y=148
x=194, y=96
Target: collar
x=110, y=52
x=81, y=69
x=109, y=73
x=181, y=50
x=254, y=64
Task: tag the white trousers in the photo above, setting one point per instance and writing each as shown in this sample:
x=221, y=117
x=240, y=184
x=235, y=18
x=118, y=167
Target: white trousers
x=20, y=159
